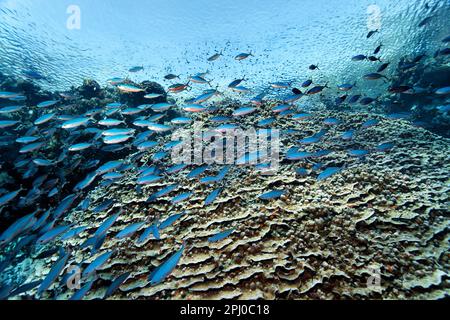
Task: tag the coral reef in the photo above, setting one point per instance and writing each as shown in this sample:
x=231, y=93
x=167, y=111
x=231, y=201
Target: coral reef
x=90, y=89
x=386, y=215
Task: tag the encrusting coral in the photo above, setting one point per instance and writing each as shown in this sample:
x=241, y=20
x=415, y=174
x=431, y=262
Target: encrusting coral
x=383, y=217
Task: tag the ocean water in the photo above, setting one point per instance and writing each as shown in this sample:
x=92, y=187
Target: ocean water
x=101, y=177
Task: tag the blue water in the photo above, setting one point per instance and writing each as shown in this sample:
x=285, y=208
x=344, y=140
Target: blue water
x=177, y=36
x=356, y=177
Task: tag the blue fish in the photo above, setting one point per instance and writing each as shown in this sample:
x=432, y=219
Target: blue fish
x=222, y=173
x=46, y=104
x=105, y=205
x=286, y=112
x=220, y=119
x=176, y=168
x=112, y=176
x=208, y=180
x=348, y=135
x=212, y=196
x=116, y=284
x=328, y=172
x=401, y=115
x=197, y=171
x=155, y=232
x=263, y=166
x=86, y=182
x=49, y=226
x=83, y=291
x=370, y=123
x=314, y=138
x=161, y=107
x=129, y=230
x=159, y=156
x=172, y=144
x=146, y=145
x=52, y=234
x=44, y=118
x=293, y=97
x=169, y=221
x=79, y=147
x=181, y=120
x=220, y=236
x=147, y=171
x=25, y=288
x=366, y=101
x=109, y=166
x=294, y=154
x=243, y=111
x=73, y=233
x=301, y=116
x=153, y=229
x=89, y=242
x=163, y=192
x=266, y=122
x=54, y=273
x=145, y=234
x=148, y=179
x=5, y=290
x=9, y=197
x=42, y=219
x=227, y=127
x=16, y=228
x=385, y=146
x=354, y=99
x=31, y=147
x=443, y=109
x=64, y=205
x=162, y=271
x=97, y=263
x=331, y=121
x=281, y=108
x=27, y=139
x=104, y=227
x=274, y=194
x=84, y=205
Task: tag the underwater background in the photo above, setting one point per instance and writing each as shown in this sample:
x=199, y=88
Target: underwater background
x=355, y=93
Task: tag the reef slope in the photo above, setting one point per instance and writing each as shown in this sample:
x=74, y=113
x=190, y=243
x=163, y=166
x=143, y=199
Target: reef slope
x=386, y=214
